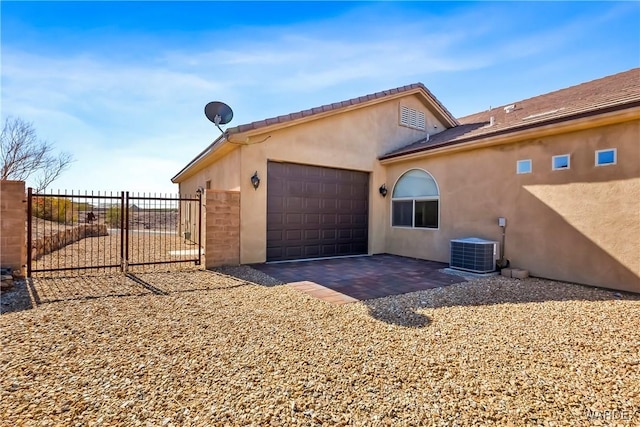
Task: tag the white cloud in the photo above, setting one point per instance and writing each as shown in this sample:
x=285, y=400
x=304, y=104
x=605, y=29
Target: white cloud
x=109, y=110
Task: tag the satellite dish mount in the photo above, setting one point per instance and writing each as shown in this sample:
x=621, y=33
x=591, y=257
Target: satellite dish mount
x=218, y=113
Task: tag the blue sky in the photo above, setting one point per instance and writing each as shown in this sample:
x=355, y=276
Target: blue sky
x=123, y=85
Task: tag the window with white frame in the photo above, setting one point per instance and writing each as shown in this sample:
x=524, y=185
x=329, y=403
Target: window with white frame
x=523, y=166
x=412, y=118
x=415, y=201
x=560, y=162
x=606, y=157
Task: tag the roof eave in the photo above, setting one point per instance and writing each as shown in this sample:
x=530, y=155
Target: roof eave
x=211, y=148
x=584, y=120
x=241, y=137
x=236, y=136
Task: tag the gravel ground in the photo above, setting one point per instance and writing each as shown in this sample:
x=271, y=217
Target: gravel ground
x=217, y=348
x=144, y=246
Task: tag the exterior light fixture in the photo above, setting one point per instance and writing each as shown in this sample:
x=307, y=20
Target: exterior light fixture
x=383, y=190
x=255, y=180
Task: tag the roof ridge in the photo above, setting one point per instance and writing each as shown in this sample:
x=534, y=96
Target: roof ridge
x=555, y=92
x=598, y=96
x=340, y=104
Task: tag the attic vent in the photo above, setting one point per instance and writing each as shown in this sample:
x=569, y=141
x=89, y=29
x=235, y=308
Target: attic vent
x=412, y=118
x=473, y=254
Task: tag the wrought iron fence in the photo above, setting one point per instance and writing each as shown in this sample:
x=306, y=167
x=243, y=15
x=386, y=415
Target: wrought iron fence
x=73, y=231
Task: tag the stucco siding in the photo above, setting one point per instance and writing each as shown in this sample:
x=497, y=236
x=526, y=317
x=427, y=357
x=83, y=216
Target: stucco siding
x=580, y=225
x=224, y=175
x=352, y=140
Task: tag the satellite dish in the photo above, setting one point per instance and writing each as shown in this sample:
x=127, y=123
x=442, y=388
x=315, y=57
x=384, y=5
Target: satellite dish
x=219, y=113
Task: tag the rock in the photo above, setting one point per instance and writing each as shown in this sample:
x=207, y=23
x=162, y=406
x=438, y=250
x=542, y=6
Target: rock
x=6, y=282
x=220, y=349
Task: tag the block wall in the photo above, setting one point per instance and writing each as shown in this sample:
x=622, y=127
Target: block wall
x=222, y=228
x=13, y=215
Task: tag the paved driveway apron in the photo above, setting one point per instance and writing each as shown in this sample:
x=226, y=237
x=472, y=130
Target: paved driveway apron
x=365, y=277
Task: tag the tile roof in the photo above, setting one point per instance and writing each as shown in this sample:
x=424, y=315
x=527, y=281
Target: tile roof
x=338, y=105
x=613, y=92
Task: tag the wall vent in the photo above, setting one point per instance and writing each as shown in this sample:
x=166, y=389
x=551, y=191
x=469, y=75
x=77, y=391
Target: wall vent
x=412, y=118
x=473, y=254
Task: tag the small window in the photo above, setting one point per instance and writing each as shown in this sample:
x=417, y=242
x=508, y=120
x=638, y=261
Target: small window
x=208, y=185
x=523, y=166
x=606, y=157
x=560, y=162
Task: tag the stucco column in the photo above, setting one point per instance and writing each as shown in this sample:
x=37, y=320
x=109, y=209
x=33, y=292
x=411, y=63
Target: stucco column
x=13, y=215
x=222, y=225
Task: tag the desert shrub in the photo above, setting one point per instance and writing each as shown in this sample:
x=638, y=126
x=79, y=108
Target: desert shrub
x=113, y=215
x=56, y=209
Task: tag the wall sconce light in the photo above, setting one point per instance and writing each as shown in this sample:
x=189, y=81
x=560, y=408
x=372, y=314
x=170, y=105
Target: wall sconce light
x=383, y=190
x=255, y=180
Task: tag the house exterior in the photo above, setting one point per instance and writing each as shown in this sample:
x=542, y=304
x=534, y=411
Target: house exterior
x=562, y=168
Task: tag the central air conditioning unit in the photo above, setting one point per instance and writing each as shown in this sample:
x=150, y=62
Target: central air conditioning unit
x=474, y=254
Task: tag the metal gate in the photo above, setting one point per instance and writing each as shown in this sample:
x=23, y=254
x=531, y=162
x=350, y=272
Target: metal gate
x=68, y=233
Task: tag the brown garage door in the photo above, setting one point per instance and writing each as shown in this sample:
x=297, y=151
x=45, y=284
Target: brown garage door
x=315, y=212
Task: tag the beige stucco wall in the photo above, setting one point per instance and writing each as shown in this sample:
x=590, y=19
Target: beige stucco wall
x=224, y=175
x=580, y=225
x=351, y=140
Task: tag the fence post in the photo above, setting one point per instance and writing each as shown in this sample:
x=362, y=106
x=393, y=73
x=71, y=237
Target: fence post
x=29, y=230
x=123, y=260
x=199, y=227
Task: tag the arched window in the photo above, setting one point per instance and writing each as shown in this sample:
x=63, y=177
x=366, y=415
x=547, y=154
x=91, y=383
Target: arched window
x=415, y=201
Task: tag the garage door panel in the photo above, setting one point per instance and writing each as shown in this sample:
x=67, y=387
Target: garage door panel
x=359, y=205
x=274, y=235
x=359, y=220
x=312, y=189
x=359, y=247
x=359, y=234
x=274, y=252
x=315, y=211
x=344, y=248
x=295, y=188
x=312, y=234
x=329, y=205
x=329, y=190
x=293, y=252
x=331, y=234
x=330, y=219
x=312, y=219
x=329, y=250
x=275, y=220
x=345, y=192
x=312, y=251
x=294, y=204
x=344, y=219
x=293, y=218
x=292, y=235
x=344, y=234
x=275, y=203
x=313, y=173
x=312, y=204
